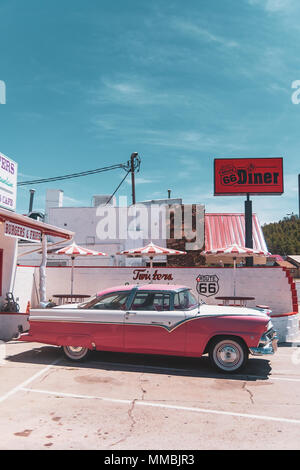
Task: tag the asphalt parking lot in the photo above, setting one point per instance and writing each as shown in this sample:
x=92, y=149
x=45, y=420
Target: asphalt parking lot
x=119, y=402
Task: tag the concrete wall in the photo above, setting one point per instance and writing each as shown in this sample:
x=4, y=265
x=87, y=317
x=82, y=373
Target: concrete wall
x=26, y=286
x=9, y=324
x=8, y=245
x=12, y=324
x=269, y=285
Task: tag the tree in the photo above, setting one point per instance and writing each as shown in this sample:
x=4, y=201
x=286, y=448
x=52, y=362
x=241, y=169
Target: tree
x=283, y=237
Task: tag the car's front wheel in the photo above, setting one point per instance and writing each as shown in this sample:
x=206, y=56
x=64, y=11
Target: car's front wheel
x=228, y=354
x=76, y=353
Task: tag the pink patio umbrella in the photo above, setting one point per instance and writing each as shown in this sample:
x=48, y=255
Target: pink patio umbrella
x=150, y=251
x=75, y=250
x=235, y=251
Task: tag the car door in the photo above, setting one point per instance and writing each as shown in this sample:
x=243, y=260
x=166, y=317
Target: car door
x=106, y=316
x=152, y=325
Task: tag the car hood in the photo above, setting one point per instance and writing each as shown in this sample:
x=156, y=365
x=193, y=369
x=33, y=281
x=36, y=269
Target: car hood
x=217, y=310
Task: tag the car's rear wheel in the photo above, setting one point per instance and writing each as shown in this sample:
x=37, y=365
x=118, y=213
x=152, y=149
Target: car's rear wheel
x=76, y=353
x=228, y=354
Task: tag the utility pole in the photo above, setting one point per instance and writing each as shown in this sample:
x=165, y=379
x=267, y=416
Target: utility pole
x=133, y=157
x=299, y=196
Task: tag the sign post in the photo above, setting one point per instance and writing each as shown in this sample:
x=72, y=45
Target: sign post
x=248, y=228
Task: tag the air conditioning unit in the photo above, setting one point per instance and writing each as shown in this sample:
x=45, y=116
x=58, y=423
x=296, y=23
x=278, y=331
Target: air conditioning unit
x=102, y=199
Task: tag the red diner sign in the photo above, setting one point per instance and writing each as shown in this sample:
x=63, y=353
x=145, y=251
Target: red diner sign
x=234, y=176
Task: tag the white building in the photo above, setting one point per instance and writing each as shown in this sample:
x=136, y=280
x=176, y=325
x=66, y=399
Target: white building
x=104, y=227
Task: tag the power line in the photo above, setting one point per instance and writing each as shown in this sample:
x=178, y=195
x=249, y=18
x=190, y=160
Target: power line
x=119, y=185
x=75, y=175
x=131, y=166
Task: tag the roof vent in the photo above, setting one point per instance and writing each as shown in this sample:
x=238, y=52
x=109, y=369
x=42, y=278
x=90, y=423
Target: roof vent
x=102, y=199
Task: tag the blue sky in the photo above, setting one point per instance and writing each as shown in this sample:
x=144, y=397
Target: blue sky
x=88, y=83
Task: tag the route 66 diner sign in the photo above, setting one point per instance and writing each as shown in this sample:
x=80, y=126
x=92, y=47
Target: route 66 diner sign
x=207, y=284
x=236, y=176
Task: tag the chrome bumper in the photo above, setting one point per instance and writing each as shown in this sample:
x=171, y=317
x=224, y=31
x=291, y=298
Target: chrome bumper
x=267, y=344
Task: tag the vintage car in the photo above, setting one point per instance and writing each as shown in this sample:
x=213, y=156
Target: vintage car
x=155, y=319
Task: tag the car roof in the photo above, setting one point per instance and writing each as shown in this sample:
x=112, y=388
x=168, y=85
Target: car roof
x=150, y=287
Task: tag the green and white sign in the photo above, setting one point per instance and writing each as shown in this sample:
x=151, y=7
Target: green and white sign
x=8, y=183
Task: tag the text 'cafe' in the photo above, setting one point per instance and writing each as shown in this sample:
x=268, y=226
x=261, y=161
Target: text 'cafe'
x=14, y=227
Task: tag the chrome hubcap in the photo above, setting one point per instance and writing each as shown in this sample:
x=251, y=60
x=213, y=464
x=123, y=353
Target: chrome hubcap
x=75, y=349
x=227, y=354
x=75, y=352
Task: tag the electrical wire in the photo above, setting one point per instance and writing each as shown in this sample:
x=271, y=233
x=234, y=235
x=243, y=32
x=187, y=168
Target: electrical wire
x=119, y=185
x=73, y=175
x=126, y=167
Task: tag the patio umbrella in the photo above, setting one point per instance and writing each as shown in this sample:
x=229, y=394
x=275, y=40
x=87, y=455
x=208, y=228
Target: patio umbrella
x=235, y=251
x=150, y=251
x=75, y=250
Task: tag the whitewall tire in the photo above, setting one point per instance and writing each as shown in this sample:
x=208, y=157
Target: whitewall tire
x=228, y=354
x=76, y=353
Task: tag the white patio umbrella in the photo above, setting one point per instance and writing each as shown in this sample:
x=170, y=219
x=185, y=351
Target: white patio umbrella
x=235, y=251
x=150, y=251
x=75, y=250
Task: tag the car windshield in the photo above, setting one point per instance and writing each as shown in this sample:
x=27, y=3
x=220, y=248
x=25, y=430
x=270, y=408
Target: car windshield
x=185, y=300
x=88, y=301
x=112, y=301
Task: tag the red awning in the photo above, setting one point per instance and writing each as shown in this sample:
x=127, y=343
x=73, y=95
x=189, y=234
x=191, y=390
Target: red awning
x=229, y=229
x=46, y=229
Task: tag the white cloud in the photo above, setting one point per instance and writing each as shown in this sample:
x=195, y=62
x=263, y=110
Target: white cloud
x=277, y=5
x=189, y=140
x=132, y=91
x=273, y=6
x=140, y=180
x=199, y=32
x=72, y=200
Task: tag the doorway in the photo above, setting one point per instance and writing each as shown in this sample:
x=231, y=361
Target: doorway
x=1, y=267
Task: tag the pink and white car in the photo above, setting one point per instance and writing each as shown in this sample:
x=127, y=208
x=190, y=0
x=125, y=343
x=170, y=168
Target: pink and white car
x=155, y=319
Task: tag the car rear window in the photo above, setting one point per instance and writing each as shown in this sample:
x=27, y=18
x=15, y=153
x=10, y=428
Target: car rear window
x=185, y=300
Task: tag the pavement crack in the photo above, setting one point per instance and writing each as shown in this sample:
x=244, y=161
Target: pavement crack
x=144, y=391
x=46, y=375
x=248, y=391
x=130, y=414
x=132, y=423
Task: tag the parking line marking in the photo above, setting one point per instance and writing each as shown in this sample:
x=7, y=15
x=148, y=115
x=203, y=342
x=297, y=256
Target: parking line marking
x=75, y=395
x=287, y=379
x=171, y=407
x=28, y=381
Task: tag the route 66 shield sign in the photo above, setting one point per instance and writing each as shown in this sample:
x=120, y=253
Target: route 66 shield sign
x=207, y=284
